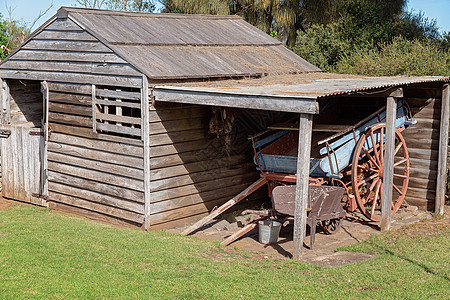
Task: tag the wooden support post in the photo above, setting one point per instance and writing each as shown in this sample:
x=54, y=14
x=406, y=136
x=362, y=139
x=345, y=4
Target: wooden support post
x=145, y=135
x=44, y=156
x=5, y=115
x=443, y=152
x=94, y=108
x=388, y=173
x=301, y=193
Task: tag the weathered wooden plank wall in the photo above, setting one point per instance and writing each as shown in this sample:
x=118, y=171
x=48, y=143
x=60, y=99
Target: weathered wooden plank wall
x=98, y=175
x=64, y=52
x=422, y=141
x=191, y=172
x=26, y=103
x=22, y=165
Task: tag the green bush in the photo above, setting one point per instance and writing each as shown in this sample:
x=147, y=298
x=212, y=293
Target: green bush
x=399, y=57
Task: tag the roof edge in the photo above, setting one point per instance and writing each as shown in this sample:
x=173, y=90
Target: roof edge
x=65, y=10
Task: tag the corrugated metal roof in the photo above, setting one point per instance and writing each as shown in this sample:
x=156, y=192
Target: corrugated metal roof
x=169, y=46
x=307, y=86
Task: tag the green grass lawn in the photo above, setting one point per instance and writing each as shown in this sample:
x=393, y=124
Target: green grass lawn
x=44, y=254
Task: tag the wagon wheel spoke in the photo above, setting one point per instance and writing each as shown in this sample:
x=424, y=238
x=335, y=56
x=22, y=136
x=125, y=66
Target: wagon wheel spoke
x=400, y=162
x=367, y=168
x=370, y=157
x=374, y=147
x=397, y=189
x=397, y=148
x=400, y=176
x=367, y=180
x=375, y=199
x=373, y=185
x=382, y=144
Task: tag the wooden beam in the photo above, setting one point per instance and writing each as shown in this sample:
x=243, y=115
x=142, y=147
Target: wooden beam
x=229, y=99
x=443, y=152
x=44, y=155
x=146, y=139
x=388, y=176
x=301, y=193
x=5, y=103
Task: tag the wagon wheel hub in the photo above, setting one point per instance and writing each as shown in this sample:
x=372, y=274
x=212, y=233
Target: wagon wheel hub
x=381, y=174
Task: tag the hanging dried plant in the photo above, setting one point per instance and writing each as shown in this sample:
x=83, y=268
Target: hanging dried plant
x=221, y=124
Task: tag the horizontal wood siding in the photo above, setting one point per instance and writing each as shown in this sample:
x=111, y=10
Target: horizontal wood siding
x=422, y=141
x=90, y=173
x=190, y=171
x=64, y=52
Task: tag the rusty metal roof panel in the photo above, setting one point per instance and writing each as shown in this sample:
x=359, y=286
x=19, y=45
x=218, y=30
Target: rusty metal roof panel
x=171, y=29
x=166, y=62
x=309, y=86
x=175, y=46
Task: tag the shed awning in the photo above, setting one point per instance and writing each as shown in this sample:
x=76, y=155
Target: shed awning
x=291, y=93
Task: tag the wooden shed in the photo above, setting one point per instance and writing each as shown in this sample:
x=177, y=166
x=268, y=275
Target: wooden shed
x=108, y=114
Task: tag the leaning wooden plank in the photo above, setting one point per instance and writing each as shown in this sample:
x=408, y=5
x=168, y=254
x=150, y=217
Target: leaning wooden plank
x=71, y=77
x=118, y=129
x=111, y=211
x=98, y=197
x=244, y=230
x=95, y=186
x=253, y=187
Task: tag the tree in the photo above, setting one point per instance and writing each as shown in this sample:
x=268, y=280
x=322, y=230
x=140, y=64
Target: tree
x=287, y=16
x=125, y=5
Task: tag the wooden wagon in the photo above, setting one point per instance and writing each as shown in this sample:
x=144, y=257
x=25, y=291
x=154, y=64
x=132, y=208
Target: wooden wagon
x=352, y=157
x=349, y=156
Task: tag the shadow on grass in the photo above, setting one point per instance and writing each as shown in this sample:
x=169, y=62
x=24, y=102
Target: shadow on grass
x=411, y=261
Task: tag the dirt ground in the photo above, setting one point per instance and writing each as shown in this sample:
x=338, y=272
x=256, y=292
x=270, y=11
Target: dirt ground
x=4, y=204
x=355, y=228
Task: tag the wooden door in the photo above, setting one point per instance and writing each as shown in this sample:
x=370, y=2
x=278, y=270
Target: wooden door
x=22, y=152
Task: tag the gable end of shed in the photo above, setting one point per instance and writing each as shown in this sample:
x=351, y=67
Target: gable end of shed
x=63, y=51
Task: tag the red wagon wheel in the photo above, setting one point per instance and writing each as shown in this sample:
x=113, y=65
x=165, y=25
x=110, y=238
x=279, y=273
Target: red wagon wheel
x=368, y=170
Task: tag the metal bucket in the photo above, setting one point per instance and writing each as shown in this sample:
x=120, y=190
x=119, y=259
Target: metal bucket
x=269, y=231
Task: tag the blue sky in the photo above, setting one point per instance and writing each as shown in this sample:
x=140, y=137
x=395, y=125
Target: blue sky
x=28, y=10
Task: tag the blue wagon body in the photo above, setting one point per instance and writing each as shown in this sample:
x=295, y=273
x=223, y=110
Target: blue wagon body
x=281, y=155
